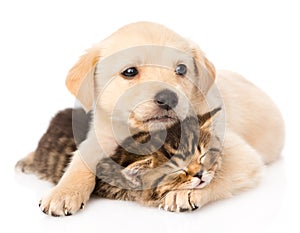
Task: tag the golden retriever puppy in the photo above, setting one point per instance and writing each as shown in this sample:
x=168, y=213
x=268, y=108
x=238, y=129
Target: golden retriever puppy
x=144, y=77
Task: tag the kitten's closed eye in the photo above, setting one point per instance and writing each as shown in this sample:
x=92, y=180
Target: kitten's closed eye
x=210, y=163
x=200, y=172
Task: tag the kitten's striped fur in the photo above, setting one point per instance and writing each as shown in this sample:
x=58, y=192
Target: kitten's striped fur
x=55, y=148
x=188, y=158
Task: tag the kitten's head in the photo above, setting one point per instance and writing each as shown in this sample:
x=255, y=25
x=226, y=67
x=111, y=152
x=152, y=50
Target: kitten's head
x=197, y=174
x=192, y=166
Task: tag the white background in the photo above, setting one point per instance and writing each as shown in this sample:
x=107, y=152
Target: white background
x=41, y=40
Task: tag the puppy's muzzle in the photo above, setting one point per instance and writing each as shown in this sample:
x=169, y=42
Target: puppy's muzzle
x=166, y=99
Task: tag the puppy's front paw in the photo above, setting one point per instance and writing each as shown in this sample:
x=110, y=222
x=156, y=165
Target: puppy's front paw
x=63, y=202
x=179, y=201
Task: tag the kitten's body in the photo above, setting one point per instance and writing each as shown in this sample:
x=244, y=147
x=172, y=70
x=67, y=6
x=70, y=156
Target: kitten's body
x=173, y=166
x=55, y=148
x=178, y=154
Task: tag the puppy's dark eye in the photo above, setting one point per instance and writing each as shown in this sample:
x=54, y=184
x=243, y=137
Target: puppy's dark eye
x=130, y=72
x=181, y=69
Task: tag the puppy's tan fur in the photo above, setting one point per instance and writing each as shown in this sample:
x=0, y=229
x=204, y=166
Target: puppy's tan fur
x=254, y=128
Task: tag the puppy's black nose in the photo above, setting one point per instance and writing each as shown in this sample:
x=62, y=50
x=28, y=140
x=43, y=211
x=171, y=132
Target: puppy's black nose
x=166, y=99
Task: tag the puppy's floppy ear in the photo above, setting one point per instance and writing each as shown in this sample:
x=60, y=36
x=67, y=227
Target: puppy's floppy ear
x=80, y=79
x=205, y=69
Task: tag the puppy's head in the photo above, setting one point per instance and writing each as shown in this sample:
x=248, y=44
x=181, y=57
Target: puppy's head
x=144, y=74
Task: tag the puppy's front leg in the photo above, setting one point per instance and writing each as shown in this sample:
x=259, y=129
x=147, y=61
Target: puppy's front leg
x=72, y=191
x=240, y=170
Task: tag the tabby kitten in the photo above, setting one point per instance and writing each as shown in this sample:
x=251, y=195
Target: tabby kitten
x=187, y=159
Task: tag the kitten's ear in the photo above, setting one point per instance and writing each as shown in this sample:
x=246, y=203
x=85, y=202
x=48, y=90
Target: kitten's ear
x=207, y=119
x=133, y=171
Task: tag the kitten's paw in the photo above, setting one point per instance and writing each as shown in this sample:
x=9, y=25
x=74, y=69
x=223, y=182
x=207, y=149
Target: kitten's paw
x=179, y=201
x=63, y=202
x=25, y=165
